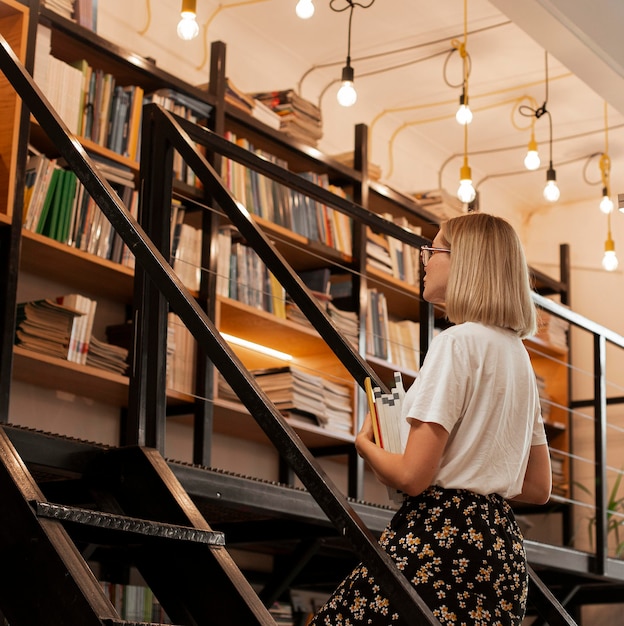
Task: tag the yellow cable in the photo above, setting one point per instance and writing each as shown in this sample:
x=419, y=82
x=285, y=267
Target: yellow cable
x=414, y=107
x=149, y=17
x=605, y=160
x=428, y=121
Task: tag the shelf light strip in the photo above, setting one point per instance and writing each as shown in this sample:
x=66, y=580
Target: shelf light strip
x=257, y=347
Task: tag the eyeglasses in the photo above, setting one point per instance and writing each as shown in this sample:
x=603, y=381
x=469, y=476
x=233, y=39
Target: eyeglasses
x=426, y=252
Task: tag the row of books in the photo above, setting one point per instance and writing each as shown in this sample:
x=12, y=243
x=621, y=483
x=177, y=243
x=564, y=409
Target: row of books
x=305, y=396
x=394, y=257
x=181, y=356
x=58, y=206
x=63, y=328
x=190, y=109
x=95, y=106
x=242, y=276
x=396, y=341
x=186, y=248
x=278, y=204
x=135, y=603
x=89, y=100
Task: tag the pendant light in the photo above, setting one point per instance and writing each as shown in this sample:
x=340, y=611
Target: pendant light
x=606, y=204
x=347, y=95
x=304, y=9
x=609, y=260
x=466, y=192
x=464, y=114
x=187, y=26
x=532, y=158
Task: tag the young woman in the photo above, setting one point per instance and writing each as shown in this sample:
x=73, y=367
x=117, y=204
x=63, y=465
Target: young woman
x=476, y=440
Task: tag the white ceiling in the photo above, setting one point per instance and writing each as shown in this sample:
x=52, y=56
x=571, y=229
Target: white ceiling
x=410, y=110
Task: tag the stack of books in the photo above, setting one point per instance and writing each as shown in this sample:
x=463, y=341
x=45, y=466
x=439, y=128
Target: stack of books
x=107, y=356
x=553, y=330
x=299, y=118
x=45, y=326
x=303, y=396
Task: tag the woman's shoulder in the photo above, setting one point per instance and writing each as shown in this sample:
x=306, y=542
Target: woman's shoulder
x=475, y=331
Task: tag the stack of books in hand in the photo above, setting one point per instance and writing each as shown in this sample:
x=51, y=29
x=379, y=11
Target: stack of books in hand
x=389, y=429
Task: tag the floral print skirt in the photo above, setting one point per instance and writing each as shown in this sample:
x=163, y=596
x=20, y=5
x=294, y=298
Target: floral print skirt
x=462, y=551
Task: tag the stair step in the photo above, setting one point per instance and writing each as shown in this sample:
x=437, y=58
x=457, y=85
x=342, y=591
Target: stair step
x=122, y=524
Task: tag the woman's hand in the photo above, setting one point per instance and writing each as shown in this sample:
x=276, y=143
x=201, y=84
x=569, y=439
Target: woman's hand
x=366, y=435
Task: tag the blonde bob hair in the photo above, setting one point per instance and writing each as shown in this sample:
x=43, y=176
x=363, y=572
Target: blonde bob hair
x=488, y=277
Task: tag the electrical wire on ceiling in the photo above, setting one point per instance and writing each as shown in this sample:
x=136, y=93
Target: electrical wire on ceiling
x=379, y=55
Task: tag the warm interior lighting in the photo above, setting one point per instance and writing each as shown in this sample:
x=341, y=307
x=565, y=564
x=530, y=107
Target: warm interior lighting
x=464, y=114
x=606, y=204
x=237, y=341
x=551, y=190
x=187, y=26
x=609, y=260
x=532, y=159
x=466, y=192
x=304, y=9
x=347, y=95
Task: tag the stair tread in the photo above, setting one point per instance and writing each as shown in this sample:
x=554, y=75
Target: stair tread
x=125, y=524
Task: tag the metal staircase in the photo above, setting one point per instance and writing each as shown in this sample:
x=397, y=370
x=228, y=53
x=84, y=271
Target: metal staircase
x=145, y=511
x=178, y=554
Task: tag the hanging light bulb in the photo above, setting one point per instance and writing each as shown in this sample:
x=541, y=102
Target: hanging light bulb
x=551, y=191
x=464, y=114
x=347, y=95
x=609, y=260
x=304, y=9
x=466, y=192
x=187, y=27
x=532, y=159
x=606, y=204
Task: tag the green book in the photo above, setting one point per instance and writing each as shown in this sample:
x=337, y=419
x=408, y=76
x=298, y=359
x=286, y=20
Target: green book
x=47, y=203
x=54, y=215
x=66, y=203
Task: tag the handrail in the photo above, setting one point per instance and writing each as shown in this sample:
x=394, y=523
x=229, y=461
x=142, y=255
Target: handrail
x=285, y=439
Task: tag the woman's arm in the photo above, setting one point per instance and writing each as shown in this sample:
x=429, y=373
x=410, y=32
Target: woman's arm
x=413, y=471
x=537, y=483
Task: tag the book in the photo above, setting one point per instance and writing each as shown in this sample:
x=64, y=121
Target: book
x=392, y=429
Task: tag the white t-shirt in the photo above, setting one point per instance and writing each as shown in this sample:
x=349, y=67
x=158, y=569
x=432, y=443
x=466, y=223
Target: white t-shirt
x=478, y=383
